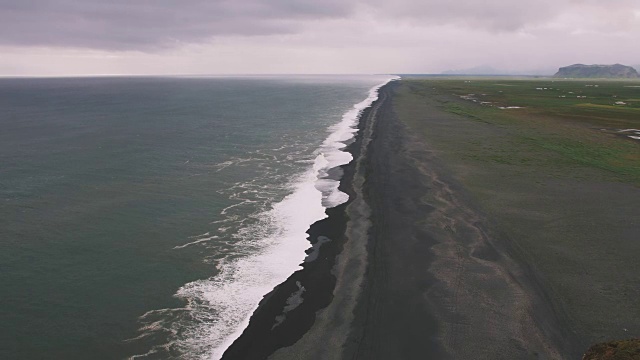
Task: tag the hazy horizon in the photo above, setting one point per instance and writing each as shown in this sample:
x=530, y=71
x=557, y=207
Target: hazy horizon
x=80, y=38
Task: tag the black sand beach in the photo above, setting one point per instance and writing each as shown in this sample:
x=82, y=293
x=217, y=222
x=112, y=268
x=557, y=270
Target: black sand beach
x=286, y=322
x=439, y=256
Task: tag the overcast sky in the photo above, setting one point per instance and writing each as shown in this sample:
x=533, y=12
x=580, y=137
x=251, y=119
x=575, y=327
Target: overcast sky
x=80, y=37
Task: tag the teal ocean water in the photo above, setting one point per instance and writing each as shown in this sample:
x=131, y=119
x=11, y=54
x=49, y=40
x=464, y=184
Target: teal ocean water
x=146, y=217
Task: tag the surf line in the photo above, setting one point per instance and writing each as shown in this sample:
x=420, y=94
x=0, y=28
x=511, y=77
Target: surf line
x=219, y=309
x=332, y=154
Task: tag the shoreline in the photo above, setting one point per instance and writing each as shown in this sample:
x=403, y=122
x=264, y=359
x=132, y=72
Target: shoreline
x=287, y=313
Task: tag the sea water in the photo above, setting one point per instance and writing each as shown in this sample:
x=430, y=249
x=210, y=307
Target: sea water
x=146, y=217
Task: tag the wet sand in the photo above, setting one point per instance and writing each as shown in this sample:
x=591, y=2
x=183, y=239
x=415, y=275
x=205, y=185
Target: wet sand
x=415, y=266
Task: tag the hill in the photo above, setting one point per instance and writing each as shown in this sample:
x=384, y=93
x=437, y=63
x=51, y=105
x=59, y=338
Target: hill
x=617, y=71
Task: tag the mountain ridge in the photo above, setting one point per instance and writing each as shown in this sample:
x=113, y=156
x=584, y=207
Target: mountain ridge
x=615, y=71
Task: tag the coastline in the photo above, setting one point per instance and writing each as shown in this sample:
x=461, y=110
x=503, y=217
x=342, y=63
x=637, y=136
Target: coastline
x=288, y=312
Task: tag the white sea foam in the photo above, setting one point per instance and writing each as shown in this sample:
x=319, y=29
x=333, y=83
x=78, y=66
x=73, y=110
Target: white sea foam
x=198, y=241
x=218, y=308
x=230, y=297
x=255, y=276
x=331, y=151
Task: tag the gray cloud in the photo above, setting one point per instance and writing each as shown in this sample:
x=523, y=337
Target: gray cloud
x=148, y=24
x=496, y=15
x=490, y=15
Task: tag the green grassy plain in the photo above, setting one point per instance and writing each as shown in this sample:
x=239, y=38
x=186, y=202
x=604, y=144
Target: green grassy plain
x=555, y=176
x=579, y=121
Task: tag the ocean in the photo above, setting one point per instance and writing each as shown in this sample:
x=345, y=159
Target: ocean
x=145, y=217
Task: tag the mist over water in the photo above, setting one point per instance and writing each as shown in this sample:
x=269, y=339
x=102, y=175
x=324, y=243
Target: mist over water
x=146, y=215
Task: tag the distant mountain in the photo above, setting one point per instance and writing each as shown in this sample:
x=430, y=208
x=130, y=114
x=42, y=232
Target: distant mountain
x=617, y=71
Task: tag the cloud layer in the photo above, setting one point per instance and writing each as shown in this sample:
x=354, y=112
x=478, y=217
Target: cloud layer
x=157, y=24
x=150, y=24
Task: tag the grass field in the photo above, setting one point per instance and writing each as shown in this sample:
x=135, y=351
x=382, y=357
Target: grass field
x=606, y=104
x=584, y=122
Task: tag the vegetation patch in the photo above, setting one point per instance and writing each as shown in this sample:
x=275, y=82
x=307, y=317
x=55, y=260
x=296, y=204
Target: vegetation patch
x=614, y=350
x=559, y=123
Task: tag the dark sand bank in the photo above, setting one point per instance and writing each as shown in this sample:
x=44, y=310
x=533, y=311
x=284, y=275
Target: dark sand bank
x=441, y=283
x=438, y=255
